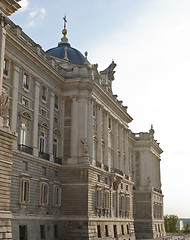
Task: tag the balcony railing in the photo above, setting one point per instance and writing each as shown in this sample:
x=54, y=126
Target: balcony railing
x=98, y=164
x=44, y=155
x=115, y=170
x=157, y=190
x=106, y=168
x=57, y=160
x=25, y=85
x=26, y=149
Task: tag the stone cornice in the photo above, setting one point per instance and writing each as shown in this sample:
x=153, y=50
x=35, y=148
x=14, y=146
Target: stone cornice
x=32, y=51
x=8, y=7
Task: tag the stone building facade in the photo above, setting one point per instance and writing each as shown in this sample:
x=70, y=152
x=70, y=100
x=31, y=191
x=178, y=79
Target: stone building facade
x=70, y=166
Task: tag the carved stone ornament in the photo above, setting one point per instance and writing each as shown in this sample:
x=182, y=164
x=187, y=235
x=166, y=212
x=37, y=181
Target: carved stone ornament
x=3, y=21
x=4, y=104
x=84, y=144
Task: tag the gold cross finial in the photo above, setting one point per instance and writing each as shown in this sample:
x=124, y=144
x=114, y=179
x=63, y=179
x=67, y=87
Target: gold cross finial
x=64, y=30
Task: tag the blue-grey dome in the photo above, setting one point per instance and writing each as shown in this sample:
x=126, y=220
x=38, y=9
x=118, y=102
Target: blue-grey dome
x=72, y=55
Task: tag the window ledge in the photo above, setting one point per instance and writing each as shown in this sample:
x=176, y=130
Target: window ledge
x=26, y=89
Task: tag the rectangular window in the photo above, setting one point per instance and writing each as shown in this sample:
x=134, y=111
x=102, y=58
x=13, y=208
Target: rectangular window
x=42, y=232
x=55, y=231
x=128, y=229
x=5, y=67
x=57, y=196
x=106, y=231
x=43, y=113
x=99, y=198
x=114, y=200
x=56, y=102
x=55, y=147
x=122, y=203
x=56, y=120
x=127, y=204
x=24, y=191
x=109, y=123
x=106, y=200
x=44, y=194
x=122, y=230
x=26, y=81
x=44, y=93
x=23, y=133
x=115, y=231
x=42, y=142
x=25, y=102
x=23, y=232
x=99, y=231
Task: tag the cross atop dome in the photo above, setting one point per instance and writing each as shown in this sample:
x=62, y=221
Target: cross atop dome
x=64, y=39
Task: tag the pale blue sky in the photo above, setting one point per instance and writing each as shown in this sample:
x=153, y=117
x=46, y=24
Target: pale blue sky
x=150, y=42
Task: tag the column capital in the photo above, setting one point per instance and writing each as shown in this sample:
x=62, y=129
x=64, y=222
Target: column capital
x=74, y=98
x=37, y=82
x=51, y=93
x=91, y=99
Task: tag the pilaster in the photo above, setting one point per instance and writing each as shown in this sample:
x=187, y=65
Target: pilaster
x=105, y=119
x=90, y=128
x=2, y=54
x=14, y=112
x=36, y=114
x=115, y=144
x=83, y=128
x=126, y=159
x=51, y=118
x=99, y=135
x=74, y=132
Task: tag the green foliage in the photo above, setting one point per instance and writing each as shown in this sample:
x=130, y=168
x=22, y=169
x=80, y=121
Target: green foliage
x=186, y=228
x=170, y=222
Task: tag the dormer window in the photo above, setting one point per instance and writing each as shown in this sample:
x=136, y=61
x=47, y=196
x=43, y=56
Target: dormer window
x=44, y=94
x=26, y=81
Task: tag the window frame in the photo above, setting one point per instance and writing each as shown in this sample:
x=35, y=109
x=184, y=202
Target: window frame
x=24, y=197
x=6, y=67
x=44, y=94
x=26, y=82
x=44, y=194
x=57, y=196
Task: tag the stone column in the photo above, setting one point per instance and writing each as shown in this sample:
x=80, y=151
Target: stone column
x=99, y=134
x=62, y=123
x=83, y=129
x=2, y=48
x=35, y=121
x=90, y=128
x=115, y=144
x=14, y=112
x=51, y=119
x=74, y=132
x=2, y=55
x=121, y=139
x=126, y=147
x=105, y=119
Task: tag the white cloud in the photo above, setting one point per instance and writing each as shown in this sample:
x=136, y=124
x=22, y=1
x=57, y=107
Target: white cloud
x=24, y=4
x=35, y=16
